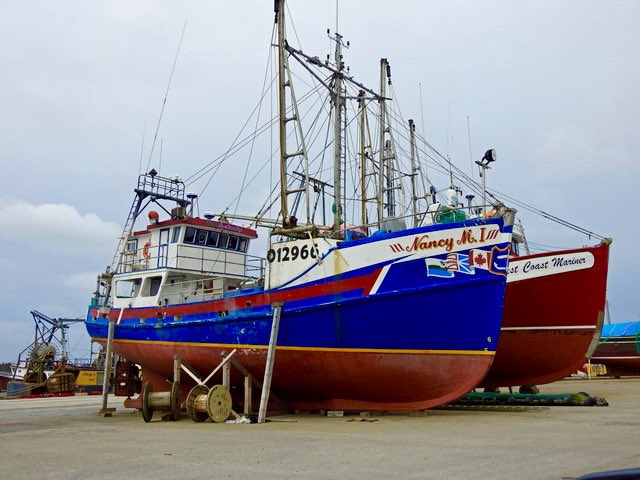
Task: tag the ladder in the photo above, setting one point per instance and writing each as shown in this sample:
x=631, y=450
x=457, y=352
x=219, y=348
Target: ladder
x=156, y=188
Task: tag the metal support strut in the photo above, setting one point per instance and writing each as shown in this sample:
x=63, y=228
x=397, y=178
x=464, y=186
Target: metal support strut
x=268, y=370
x=106, y=412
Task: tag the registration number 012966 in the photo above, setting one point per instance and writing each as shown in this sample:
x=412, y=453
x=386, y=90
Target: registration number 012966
x=290, y=254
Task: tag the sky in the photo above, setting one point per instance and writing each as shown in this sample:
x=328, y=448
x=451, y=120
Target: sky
x=551, y=85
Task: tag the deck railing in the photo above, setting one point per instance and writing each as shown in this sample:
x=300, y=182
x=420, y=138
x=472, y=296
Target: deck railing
x=222, y=262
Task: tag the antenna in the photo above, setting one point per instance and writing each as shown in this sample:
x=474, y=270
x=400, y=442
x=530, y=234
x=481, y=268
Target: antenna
x=422, y=112
x=448, y=155
x=144, y=130
x=473, y=174
x=164, y=102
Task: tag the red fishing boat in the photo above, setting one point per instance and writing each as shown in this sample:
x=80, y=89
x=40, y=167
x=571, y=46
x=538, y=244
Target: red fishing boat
x=553, y=315
x=619, y=349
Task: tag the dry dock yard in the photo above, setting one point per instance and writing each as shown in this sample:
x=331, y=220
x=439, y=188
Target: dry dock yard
x=64, y=438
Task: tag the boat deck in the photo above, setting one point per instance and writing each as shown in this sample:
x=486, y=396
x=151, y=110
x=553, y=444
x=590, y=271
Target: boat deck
x=66, y=439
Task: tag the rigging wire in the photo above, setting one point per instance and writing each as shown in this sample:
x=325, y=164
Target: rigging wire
x=426, y=154
x=253, y=141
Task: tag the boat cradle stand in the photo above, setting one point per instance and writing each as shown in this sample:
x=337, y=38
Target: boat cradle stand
x=215, y=403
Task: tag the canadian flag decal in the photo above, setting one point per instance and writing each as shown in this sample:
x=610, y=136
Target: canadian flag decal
x=480, y=259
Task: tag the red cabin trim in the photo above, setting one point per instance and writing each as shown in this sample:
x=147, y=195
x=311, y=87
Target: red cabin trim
x=200, y=222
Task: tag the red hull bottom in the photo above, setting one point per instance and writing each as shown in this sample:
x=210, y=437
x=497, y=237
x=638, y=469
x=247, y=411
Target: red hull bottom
x=329, y=380
x=536, y=357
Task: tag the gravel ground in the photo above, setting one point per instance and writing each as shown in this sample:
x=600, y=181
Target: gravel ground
x=64, y=438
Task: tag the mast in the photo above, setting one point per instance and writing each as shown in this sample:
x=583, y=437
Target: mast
x=282, y=103
x=289, y=221
x=337, y=160
x=381, y=162
x=414, y=172
x=385, y=164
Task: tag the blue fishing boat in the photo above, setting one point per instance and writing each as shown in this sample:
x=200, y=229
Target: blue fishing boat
x=379, y=316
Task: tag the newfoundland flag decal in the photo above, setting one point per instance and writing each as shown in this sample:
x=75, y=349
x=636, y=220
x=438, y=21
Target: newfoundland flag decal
x=438, y=268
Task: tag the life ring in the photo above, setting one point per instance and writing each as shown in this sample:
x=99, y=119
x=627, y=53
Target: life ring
x=145, y=250
x=490, y=213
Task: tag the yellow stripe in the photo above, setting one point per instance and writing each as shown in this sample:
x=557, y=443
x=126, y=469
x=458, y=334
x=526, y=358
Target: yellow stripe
x=310, y=349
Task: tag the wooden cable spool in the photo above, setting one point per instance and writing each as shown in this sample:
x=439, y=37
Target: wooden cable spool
x=219, y=403
x=204, y=403
x=196, y=403
x=164, y=401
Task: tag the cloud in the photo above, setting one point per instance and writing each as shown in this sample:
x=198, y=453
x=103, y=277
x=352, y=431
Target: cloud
x=57, y=227
x=81, y=283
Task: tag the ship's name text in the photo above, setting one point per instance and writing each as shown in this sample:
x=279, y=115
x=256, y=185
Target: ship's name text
x=467, y=237
x=557, y=262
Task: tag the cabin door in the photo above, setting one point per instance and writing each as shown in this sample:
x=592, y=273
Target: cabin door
x=163, y=248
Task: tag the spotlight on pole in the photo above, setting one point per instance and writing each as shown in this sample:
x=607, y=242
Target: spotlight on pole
x=489, y=157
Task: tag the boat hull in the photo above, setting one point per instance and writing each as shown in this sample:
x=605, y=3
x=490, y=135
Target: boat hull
x=551, y=320
x=334, y=380
x=619, y=349
x=388, y=336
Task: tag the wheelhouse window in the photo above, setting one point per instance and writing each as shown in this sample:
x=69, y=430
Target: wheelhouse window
x=128, y=288
x=190, y=235
x=212, y=239
x=208, y=238
x=176, y=235
x=223, y=240
x=132, y=245
x=151, y=286
x=233, y=243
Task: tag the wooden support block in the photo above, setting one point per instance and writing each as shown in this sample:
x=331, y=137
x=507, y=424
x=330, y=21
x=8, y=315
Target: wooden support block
x=177, y=361
x=248, y=384
x=106, y=412
x=226, y=375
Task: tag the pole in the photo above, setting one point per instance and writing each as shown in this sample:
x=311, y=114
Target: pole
x=382, y=160
x=337, y=132
x=108, y=363
x=282, y=103
x=484, y=189
x=414, y=198
x=268, y=370
x=363, y=159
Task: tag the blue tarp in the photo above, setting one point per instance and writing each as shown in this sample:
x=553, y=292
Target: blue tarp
x=626, y=329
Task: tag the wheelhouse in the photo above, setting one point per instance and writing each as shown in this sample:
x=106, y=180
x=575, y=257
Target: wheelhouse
x=183, y=259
